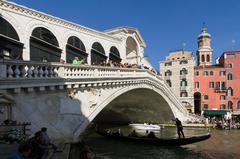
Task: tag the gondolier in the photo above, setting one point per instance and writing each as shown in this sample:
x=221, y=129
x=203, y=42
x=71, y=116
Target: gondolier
x=179, y=128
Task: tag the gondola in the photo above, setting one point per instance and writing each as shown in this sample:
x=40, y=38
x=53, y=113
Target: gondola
x=156, y=141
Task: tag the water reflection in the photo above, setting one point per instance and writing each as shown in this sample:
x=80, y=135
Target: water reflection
x=223, y=144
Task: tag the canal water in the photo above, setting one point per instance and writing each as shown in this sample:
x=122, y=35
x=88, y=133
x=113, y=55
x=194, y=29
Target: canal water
x=223, y=144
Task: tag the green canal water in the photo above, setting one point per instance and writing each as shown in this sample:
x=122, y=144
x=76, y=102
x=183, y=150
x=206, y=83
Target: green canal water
x=223, y=144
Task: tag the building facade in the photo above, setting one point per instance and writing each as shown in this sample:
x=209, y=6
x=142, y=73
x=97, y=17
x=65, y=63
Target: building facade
x=177, y=70
x=216, y=87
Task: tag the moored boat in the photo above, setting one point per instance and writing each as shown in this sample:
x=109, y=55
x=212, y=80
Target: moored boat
x=145, y=126
x=156, y=141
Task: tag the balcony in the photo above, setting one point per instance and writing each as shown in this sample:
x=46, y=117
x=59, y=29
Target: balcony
x=220, y=90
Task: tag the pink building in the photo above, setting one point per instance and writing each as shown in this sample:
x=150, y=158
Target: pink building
x=216, y=87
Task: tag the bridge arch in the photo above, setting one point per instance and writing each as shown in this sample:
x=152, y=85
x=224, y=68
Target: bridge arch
x=44, y=44
x=10, y=45
x=132, y=50
x=97, y=54
x=114, y=54
x=75, y=48
x=168, y=104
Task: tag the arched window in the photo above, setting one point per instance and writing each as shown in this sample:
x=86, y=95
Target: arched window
x=43, y=44
x=114, y=55
x=183, y=71
x=211, y=73
x=183, y=83
x=229, y=76
x=131, y=51
x=238, y=105
x=222, y=106
x=75, y=48
x=203, y=58
x=230, y=105
x=98, y=56
x=10, y=46
x=169, y=83
x=230, y=92
x=205, y=73
x=183, y=94
x=208, y=58
x=168, y=73
x=205, y=106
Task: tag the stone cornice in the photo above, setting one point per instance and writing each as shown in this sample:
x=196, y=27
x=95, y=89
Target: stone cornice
x=43, y=16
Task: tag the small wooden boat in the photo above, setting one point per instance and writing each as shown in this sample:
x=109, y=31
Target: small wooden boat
x=156, y=141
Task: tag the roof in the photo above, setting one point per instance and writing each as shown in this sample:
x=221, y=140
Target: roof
x=127, y=29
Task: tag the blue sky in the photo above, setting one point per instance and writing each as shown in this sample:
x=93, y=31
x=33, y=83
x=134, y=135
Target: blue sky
x=164, y=24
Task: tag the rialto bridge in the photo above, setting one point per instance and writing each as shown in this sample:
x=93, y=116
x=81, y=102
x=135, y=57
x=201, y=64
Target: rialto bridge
x=64, y=97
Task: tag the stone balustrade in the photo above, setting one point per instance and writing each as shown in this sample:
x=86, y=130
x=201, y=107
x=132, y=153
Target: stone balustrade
x=39, y=70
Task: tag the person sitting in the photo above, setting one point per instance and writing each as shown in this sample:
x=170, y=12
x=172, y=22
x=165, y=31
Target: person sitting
x=118, y=133
x=24, y=151
x=151, y=135
x=45, y=140
x=133, y=134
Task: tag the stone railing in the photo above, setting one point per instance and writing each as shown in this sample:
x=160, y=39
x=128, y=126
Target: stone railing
x=38, y=70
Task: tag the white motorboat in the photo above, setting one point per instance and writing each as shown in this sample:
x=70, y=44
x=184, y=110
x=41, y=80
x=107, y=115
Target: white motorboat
x=146, y=126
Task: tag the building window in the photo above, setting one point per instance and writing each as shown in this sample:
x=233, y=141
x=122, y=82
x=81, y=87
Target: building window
x=168, y=64
x=222, y=106
x=197, y=85
x=229, y=65
x=211, y=73
x=222, y=73
x=205, y=97
x=183, y=94
x=230, y=105
x=205, y=106
x=222, y=97
x=203, y=58
x=229, y=76
x=183, y=71
x=208, y=58
x=169, y=83
x=197, y=73
x=205, y=73
x=230, y=92
x=183, y=62
x=211, y=84
x=238, y=105
x=168, y=73
x=230, y=56
x=183, y=83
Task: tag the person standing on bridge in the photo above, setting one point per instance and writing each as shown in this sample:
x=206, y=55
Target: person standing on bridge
x=179, y=128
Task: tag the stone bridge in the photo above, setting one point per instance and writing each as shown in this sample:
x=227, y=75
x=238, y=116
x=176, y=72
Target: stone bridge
x=66, y=98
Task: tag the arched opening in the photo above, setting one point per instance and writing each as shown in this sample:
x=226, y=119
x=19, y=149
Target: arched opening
x=128, y=108
x=131, y=51
x=238, y=104
x=10, y=46
x=208, y=58
x=203, y=58
x=75, y=48
x=229, y=76
x=183, y=71
x=229, y=91
x=114, y=55
x=97, y=54
x=44, y=45
x=197, y=103
x=230, y=105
